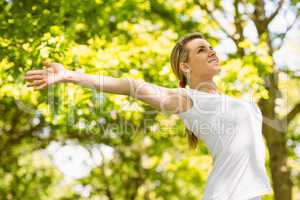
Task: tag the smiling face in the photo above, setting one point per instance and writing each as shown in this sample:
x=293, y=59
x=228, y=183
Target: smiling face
x=202, y=60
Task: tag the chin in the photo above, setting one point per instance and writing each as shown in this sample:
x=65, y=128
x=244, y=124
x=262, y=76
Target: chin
x=216, y=68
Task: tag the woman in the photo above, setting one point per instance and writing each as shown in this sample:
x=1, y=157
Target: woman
x=230, y=127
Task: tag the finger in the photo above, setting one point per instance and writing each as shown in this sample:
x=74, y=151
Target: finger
x=33, y=72
x=42, y=86
x=30, y=85
x=33, y=77
x=38, y=82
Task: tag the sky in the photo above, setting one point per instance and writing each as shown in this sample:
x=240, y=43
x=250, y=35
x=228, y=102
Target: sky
x=76, y=161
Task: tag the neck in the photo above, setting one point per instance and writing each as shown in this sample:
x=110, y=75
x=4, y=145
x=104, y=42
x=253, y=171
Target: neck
x=204, y=85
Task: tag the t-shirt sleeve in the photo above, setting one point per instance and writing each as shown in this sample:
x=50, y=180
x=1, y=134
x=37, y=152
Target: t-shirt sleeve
x=257, y=110
x=188, y=112
x=203, y=103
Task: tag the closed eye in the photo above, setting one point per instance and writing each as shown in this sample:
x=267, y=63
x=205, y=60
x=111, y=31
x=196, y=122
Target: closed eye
x=200, y=50
x=203, y=48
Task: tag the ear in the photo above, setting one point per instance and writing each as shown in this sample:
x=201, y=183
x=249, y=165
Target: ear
x=184, y=67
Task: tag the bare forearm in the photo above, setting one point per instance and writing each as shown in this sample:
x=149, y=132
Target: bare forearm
x=161, y=98
x=103, y=83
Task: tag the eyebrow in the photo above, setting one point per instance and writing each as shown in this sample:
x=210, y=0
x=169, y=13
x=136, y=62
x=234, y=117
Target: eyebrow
x=202, y=45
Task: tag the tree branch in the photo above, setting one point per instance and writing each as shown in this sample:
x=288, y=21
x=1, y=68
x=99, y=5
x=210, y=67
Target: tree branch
x=283, y=35
x=274, y=14
x=292, y=114
x=294, y=74
x=209, y=12
x=160, y=9
x=239, y=27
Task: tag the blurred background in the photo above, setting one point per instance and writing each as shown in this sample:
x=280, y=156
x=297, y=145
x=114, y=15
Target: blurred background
x=68, y=142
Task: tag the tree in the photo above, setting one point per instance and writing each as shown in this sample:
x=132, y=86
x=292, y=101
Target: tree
x=131, y=39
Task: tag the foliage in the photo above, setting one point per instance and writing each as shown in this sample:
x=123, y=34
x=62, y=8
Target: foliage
x=131, y=38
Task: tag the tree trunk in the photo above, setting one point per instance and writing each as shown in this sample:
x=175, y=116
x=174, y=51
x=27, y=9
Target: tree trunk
x=274, y=132
x=278, y=151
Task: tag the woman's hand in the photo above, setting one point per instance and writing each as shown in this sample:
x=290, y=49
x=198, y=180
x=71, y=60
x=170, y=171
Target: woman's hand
x=50, y=74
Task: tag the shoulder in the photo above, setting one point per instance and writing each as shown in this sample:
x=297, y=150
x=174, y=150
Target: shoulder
x=186, y=101
x=202, y=102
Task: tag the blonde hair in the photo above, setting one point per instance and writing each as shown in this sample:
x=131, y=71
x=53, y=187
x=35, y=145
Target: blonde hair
x=179, y=55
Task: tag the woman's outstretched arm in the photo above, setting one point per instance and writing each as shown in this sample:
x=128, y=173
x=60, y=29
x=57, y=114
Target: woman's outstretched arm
x=161, y=98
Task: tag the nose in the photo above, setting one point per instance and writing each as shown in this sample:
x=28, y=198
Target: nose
x=212, y=52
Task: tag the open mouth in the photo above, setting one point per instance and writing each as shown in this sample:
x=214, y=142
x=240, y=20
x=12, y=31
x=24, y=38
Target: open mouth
x=214, y=60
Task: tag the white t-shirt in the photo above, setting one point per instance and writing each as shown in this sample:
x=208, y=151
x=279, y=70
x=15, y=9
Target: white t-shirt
x=231, y=128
